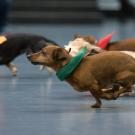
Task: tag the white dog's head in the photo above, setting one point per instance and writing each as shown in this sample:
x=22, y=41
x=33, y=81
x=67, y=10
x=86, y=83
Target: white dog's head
x=76, y=45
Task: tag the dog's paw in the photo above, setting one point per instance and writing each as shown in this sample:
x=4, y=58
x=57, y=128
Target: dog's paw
x=42, y=67
x=14, y=71
x=50, y=70
x=96, y=105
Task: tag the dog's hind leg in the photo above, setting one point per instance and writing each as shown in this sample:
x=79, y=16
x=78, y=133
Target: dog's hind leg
x=123, y=90
x=114, y=94
x=13, y=68
x=126, y=79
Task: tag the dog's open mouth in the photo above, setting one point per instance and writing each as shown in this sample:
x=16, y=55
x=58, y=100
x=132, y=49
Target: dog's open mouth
x=34, y=62
x=30, y=55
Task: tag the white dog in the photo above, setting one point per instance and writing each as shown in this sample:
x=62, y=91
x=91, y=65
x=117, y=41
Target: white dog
x=76, y=45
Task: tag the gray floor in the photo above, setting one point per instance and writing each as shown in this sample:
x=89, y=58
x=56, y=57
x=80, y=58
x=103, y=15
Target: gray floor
x=35, y=104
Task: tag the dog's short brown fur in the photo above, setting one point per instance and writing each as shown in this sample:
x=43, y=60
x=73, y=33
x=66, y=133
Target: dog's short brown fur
x=121, y=45
x=94, y=72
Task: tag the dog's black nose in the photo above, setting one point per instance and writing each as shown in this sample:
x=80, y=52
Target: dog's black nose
x=29, y=57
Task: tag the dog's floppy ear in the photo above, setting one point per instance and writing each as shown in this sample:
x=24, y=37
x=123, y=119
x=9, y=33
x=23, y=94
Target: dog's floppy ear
x=58, y=54
x=91, y=39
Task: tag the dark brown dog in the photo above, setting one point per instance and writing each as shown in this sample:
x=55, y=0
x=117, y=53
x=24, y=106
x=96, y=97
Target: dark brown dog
x=94, y=73
x=13, y=45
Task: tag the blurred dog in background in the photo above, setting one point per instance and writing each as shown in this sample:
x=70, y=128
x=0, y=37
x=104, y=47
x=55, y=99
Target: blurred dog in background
x=121, y=45
x=13, y=45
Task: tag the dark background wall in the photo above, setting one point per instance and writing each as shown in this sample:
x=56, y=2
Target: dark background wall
x=55, y=11
x=69, y=11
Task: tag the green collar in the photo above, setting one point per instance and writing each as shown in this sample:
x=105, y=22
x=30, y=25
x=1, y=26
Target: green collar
x=66, y=70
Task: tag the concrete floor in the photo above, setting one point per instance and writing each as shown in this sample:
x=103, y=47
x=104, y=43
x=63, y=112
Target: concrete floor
x=35, y=104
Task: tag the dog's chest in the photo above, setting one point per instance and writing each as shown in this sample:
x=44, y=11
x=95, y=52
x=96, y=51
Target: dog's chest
x=78, y=84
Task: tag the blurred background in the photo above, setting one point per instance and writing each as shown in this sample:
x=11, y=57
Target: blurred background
x=61, y=19
x=34, y=103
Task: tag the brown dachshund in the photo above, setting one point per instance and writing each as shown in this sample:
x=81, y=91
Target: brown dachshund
x=94, y=73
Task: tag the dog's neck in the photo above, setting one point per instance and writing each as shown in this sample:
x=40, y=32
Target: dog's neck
x=70, y=65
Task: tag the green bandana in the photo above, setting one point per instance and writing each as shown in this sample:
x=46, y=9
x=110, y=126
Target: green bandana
x=66, y=70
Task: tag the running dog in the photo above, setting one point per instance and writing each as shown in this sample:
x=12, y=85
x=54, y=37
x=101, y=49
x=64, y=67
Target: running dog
x=77, y=44
x=121, y=45
x=13, y=45
x=93, y=73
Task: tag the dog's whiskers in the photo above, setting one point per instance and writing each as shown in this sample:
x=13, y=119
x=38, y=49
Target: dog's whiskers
x=29, y=55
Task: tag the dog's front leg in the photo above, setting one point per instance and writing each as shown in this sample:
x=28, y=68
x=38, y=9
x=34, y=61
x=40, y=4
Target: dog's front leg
x=96, y=92
x=13, y=68
x=50, y=70
x=96, y=95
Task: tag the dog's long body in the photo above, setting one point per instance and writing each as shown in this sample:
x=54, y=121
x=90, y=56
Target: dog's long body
x=86, y=41
x=17, y=44
x=77, y=44
x=122, y=45
x=94, y=73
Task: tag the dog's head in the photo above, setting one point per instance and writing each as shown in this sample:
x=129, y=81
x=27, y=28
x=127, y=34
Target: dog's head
x=88, y=38
x=77, y=44
x=52, y=56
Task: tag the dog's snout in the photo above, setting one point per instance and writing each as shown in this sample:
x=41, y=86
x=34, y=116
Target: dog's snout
x=29, y=51
x=28, y=56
